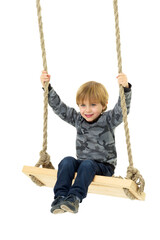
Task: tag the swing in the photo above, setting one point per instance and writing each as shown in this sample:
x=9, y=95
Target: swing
x=132, y=186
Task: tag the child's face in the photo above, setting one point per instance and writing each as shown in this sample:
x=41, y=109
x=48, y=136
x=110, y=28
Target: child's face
x=90, y=111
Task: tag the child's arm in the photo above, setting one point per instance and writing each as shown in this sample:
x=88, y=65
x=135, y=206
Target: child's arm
x=114, y=116
x=61, y=109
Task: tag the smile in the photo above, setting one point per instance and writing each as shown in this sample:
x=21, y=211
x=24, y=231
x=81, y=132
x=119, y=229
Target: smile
x=88, y=115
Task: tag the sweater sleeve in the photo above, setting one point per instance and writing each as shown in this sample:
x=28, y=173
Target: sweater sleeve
x=61, y=109
x=114, y=116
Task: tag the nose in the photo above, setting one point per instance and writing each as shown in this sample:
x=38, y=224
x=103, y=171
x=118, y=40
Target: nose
x=87, y=108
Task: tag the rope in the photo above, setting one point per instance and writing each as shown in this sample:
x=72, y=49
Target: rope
x=132, y=173
x=44, y=160
x=44, y=156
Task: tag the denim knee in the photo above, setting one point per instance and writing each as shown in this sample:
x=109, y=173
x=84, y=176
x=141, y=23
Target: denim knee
x=88, y=164
x=67, y=162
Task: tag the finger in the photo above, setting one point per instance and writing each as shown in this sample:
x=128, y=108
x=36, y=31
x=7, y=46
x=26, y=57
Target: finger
x=121, y=75
x=44, y=76
x=43, y=81
x=121, y=81
x=44, y=71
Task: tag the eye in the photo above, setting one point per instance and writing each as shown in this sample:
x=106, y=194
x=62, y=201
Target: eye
x=93, y=104
x=82, y=105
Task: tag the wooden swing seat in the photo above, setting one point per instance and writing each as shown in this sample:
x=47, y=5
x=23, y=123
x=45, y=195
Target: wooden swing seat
x=111, y=186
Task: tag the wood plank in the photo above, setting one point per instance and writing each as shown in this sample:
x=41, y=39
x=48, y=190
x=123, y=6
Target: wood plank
x=100, y=185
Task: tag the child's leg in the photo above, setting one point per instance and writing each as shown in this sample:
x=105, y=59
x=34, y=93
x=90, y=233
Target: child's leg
x=66, y=171
x=85, y=174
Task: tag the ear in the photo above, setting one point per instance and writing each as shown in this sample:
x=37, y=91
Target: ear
x=105, y=105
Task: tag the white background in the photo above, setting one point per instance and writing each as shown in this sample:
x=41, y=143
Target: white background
x=80, y=46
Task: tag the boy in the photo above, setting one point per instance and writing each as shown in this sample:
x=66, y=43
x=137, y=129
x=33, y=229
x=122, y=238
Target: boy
x=95, y=142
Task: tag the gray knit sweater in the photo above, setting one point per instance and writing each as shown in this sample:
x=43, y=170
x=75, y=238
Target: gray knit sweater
x=95, y=140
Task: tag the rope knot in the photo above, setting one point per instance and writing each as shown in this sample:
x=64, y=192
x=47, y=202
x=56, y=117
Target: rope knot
x=45, y=162
x=134, y=174
x=44, y=158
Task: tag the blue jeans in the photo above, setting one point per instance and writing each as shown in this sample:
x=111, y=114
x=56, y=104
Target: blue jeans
x=86, y=170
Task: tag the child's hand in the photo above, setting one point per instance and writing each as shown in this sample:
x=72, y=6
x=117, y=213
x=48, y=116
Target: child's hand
x=122, y=80
x=44, y=77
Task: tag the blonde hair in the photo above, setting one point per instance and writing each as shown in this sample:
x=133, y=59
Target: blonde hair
x=92, y=91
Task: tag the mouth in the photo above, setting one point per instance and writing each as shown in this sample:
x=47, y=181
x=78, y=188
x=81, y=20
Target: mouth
x=88, y=115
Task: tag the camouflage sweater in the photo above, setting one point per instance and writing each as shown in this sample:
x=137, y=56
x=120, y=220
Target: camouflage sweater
x=95, y=140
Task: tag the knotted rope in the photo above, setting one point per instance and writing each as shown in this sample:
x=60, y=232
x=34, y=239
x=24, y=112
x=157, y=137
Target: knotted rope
x=44, y=157
x=132, y=173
